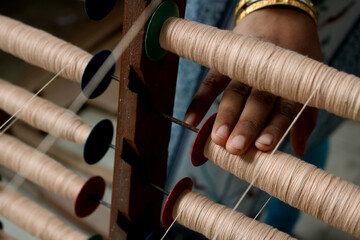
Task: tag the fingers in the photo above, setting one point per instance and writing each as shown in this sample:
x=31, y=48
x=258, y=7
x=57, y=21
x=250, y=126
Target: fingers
x=302, y=130
x=283, y=115
x=247, y=116
x=258, y=107
x=230, y=108
x=211, y=87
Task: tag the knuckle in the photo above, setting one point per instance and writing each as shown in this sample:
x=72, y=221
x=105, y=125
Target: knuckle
x=249, y=126
x=288, y=109
x=212, y=81
x=229, y=112
x=199, y=102
x=263, y=97
x=239, y=89
x=276, y=130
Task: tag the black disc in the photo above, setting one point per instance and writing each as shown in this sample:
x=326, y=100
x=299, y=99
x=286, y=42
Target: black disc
x=97, y=10
x=155, y=235
x=93, y=66
x=98, y=141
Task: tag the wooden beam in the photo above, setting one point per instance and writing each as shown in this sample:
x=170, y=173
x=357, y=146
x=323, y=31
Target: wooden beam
x=136, y=207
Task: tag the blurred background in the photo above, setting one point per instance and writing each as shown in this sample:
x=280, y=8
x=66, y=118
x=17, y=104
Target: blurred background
x=66, y=19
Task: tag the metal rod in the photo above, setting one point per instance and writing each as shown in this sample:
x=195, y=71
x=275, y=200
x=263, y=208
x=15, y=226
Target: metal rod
x=112, y=146
x=168, y=117
x=102, y=202
x=106, y=204
x=181, y=123
x=160, y=189
x=115, y=78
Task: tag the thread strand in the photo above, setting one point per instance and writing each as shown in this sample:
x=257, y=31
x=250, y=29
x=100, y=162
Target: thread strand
x=43, y=114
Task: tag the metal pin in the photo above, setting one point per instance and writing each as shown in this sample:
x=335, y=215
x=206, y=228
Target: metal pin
x=106, y=204
x=160, y=189
x=181, y=123
x=115, y=78
x=112, y=146
x=168, y=117
x=102, y=202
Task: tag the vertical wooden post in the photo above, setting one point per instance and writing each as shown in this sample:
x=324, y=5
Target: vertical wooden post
x=142, y=135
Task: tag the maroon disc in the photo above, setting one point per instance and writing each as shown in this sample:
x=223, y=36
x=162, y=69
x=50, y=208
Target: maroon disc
x=88, y=198
x=197, y=150
x=181, y=186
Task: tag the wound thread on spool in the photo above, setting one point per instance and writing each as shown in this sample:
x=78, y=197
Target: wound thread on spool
x=264, y=66
x=34, y=219
x=300, y=184
x=204, y=216
x=25, y=42
x=43, y=114
x=51, y=175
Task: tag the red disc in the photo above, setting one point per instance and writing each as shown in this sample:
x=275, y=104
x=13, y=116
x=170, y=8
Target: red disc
x=197, y=150
x=88, y=199
x=181, y=186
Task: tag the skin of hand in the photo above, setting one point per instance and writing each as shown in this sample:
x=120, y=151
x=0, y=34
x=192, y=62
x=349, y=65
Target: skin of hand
x=247, y=116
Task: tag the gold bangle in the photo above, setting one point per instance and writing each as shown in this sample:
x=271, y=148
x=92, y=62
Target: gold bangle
x=267, y=3
x=239, y=6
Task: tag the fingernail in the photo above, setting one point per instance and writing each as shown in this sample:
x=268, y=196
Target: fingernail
x=190, y=118
x=265, y=139
x=222, y=132
x=238, y=142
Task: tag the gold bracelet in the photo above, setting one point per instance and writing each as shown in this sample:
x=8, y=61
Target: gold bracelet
x=242, y=4
x=250, y=6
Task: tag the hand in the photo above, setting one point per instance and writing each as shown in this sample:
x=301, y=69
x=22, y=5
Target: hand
x=246, y=115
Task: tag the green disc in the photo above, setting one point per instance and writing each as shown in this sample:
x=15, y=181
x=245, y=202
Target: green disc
x=95, y=237
x=152, y=46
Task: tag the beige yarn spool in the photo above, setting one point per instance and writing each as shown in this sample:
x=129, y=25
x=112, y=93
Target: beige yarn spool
x=300, y=184
x=43, y=114
x=42, y=49
x=202, y=215
x=34, y=219
x=4, y=236
x=264, y=66
x=39, y=168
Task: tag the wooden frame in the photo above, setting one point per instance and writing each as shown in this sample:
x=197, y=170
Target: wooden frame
x=142, y=135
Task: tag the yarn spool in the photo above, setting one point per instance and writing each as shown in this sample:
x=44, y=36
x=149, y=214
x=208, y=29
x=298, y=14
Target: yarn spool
x=51, y=175
x=34, y=219
x=260, y=64
x=206, y=217
x=4, y=236
x=298, y=183
x=60, y=122
x=54, y=55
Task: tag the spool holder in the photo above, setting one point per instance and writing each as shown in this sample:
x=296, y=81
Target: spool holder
x=197, y=150
x=88, y=198
x=92, y=67
x=95, y=237
x=98, y=141
x=180, y=187
x=138, y=203
x=165, y=10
